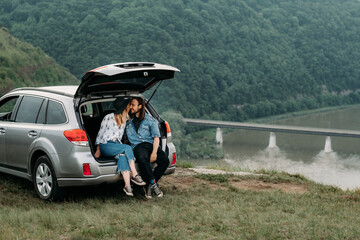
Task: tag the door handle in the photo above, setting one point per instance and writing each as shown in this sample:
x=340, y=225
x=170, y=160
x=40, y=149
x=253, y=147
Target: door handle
x=32, y=134
x=2, y=131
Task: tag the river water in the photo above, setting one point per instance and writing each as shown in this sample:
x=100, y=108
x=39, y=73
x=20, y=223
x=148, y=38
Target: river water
x=337, y=163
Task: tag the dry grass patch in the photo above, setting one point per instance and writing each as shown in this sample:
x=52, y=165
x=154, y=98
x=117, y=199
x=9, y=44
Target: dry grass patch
x=185, y=182
x=257, y=185
x=184, y=179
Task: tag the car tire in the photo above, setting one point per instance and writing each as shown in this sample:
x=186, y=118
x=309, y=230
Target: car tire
x=45, y=181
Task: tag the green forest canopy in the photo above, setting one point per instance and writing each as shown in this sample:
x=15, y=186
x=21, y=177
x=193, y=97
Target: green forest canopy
x=239, y=59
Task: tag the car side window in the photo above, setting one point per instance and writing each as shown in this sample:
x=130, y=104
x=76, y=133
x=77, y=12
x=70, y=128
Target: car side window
x=29, y=109
x=55, y=113
x=7, y=107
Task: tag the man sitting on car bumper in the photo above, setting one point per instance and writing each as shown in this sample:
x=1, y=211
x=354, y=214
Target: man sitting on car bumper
x=143, y=133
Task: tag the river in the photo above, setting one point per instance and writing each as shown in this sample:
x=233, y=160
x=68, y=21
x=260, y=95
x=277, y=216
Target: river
x=302, y=154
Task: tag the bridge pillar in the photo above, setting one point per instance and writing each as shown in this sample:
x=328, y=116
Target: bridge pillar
x=272, y=140
x=327, y=147
x=219, y=136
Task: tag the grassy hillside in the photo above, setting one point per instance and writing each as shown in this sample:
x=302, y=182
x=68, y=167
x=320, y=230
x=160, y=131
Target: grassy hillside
x=275, y=206
x=21, y=64
x=240, y=59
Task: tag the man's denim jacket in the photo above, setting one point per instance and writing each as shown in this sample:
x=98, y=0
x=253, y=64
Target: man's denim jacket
x=148, y=130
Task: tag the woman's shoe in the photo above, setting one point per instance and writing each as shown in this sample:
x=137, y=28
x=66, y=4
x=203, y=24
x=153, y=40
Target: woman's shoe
x=138, y=180
x=128, y=191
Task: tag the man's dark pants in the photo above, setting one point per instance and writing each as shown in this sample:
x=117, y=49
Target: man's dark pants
x=142, y=154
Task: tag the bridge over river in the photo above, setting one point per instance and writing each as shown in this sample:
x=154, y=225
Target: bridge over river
x=276, y=128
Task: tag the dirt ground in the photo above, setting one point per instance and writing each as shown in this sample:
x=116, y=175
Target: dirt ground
x=183, y=178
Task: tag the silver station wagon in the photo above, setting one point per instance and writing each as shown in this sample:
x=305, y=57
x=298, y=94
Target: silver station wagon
x=47, y=134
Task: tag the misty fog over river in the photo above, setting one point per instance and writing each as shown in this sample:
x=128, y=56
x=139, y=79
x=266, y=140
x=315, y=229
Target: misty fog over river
x=300, y=153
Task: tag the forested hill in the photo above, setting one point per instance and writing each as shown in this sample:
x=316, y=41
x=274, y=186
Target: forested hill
x=239, y=59
x=24, y=65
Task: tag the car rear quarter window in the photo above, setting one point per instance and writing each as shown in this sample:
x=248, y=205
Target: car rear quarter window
x=55, y=113
x=7, y=107
x=29, y=109
x=41, y=116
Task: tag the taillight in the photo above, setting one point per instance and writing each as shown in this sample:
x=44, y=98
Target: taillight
x=174, y=159
x=168, y=130
x=77, y=137
x=86, y=169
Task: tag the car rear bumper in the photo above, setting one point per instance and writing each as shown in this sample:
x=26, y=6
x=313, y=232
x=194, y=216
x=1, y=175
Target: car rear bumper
x=88, y=181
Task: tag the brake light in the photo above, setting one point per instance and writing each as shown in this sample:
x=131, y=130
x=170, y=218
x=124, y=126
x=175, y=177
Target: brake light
x=77, y=137
x=168, y=130
x=174, y=159
x=86, y=169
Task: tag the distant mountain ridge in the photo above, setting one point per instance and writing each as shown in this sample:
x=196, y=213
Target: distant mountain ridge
x=239, y=59
x=23, y=65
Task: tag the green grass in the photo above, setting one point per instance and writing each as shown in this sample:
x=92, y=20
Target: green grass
x=221, y=165
x=201, y=211
x=184, y=164
x=217, y=178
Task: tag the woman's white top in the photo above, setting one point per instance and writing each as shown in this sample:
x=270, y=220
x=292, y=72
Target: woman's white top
x=109, y=130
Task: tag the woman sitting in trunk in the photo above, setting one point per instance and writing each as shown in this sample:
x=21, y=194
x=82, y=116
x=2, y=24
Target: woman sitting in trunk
x=109, y=144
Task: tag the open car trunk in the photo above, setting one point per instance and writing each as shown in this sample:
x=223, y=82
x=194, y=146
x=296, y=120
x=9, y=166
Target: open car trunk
x=92, y=113
x=101, y=86
x=123, y=78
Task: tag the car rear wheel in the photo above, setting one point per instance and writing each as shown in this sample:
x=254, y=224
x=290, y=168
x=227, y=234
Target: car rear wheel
x=44, y=179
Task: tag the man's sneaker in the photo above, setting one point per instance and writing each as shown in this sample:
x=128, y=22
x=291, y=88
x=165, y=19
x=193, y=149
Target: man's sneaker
x=148, y=190
x=138, y=180
x=128, y=191
x=156, y=188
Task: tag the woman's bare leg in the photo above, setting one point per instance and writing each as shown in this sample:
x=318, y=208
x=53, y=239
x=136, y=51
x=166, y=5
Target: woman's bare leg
x=133, y=168
x=126, y=177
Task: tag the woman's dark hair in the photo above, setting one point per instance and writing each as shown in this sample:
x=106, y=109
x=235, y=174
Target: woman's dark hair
x=141, y=102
